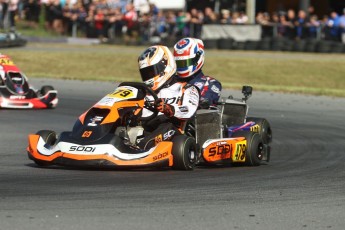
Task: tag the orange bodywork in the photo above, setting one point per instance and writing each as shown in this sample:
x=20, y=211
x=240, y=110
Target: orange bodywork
x=113, y=114
x=161, y=153
x=227, y=149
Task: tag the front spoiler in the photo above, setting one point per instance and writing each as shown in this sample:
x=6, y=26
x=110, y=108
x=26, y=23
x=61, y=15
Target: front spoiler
x=38, y=151
x=49, y=100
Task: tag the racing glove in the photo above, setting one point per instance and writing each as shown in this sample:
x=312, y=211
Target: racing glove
x=167, y=109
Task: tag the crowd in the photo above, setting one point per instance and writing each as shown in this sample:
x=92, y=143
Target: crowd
x=302, y=25
x=139, y=20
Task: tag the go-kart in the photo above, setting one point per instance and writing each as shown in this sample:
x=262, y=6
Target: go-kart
x=15, y=91
x=105, y=136
x=235, y=138
x=11, y=39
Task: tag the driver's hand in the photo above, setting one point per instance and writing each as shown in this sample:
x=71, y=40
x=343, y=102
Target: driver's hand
x=167, y=109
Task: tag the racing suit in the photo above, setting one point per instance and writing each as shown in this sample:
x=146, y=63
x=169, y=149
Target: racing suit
x=181, y=100
x=210, y=89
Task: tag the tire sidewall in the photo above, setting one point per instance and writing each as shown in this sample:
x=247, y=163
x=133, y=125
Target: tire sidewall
x=182, y=147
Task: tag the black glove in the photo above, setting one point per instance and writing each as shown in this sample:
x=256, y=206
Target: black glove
x=167, y=109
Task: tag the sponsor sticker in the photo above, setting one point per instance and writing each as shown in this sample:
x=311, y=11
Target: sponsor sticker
x=215, y=89
x=6, y=61
x=158, y=139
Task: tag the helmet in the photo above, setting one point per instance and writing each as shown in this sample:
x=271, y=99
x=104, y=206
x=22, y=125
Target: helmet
x=189, y=55
x=156, y=66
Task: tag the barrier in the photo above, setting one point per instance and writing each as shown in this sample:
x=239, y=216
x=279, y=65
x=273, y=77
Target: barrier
x=239, y=33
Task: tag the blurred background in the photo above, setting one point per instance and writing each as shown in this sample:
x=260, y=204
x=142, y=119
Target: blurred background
x=287, y=25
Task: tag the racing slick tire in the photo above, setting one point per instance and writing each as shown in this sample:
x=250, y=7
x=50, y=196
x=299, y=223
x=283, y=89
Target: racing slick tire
x=45, y=89
x=49, y=138
x=184, y=153
x=254, y=149
x=265, y=130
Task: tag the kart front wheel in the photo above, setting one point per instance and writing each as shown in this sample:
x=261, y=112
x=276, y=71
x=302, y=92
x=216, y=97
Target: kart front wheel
x=49, y=138
x=255, y=151
x=45, y=89
x=184, y=153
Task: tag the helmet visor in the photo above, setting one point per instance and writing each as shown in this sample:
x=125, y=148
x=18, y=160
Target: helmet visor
x=151, y=71
x=184, y=63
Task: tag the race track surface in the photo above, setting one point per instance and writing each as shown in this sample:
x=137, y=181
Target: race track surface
x=301, y=188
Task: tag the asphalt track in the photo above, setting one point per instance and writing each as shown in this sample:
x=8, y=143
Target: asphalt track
x=301, y=188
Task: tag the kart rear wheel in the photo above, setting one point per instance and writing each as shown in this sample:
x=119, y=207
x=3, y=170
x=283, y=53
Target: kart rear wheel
x=184, y=152
x=45, y=89
x=49, y=138
x=265, y=130
x=254, y=149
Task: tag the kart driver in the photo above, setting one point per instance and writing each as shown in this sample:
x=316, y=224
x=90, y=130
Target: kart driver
x=178, y=101
x=189, y=55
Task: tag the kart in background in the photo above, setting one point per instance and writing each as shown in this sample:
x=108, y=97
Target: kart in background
x=15, y=91
x=226, y=135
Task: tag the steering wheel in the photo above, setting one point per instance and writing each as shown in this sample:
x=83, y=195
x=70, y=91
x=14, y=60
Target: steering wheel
x=148, y=105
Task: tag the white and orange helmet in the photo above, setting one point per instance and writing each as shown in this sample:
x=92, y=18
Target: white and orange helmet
x=156, y=66
x=189, y=55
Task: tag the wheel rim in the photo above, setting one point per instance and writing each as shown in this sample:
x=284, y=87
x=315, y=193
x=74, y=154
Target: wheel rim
x=191, y=155
x=260, y=152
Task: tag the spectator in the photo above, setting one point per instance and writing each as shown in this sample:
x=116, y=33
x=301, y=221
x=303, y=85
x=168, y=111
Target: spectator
x=115, y=22
x=99, y=20
x=300, y=25
x=131, y=22
x=32, y=11
x=90, y=22
x=332, y=27
x=283, y=26
x=210, y=16
x=12, y=10
x=145, y=28
x=226, y=17
x=314, y=26
x=242, y=18
x=342, y=23
x=4, y=6
x=56, y=14
x=195, y=24
x=161, y=25
x=141, y=7
x=171, y=23
x=290, y=30
x=181, y=26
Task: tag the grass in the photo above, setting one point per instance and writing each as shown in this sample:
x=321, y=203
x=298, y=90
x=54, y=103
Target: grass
x=316, y=74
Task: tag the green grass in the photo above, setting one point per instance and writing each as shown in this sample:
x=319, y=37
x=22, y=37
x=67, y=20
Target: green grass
x=317, y=74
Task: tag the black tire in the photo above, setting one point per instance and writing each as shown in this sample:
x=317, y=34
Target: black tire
x=265, y=130
x=184, y=153
x=225, y=43
x=50, y=138
x=211, y=43
x=254, y=149
x=45, y=89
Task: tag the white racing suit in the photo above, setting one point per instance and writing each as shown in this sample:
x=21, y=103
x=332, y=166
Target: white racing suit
x=184, y=100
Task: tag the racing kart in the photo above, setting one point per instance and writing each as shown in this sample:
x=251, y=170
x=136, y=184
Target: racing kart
x=15, y=91
x=105, y=137
x=235, y=138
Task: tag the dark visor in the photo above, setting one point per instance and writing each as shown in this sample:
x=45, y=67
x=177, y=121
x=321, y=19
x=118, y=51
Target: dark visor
x=184, y=63
x=151, y=71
